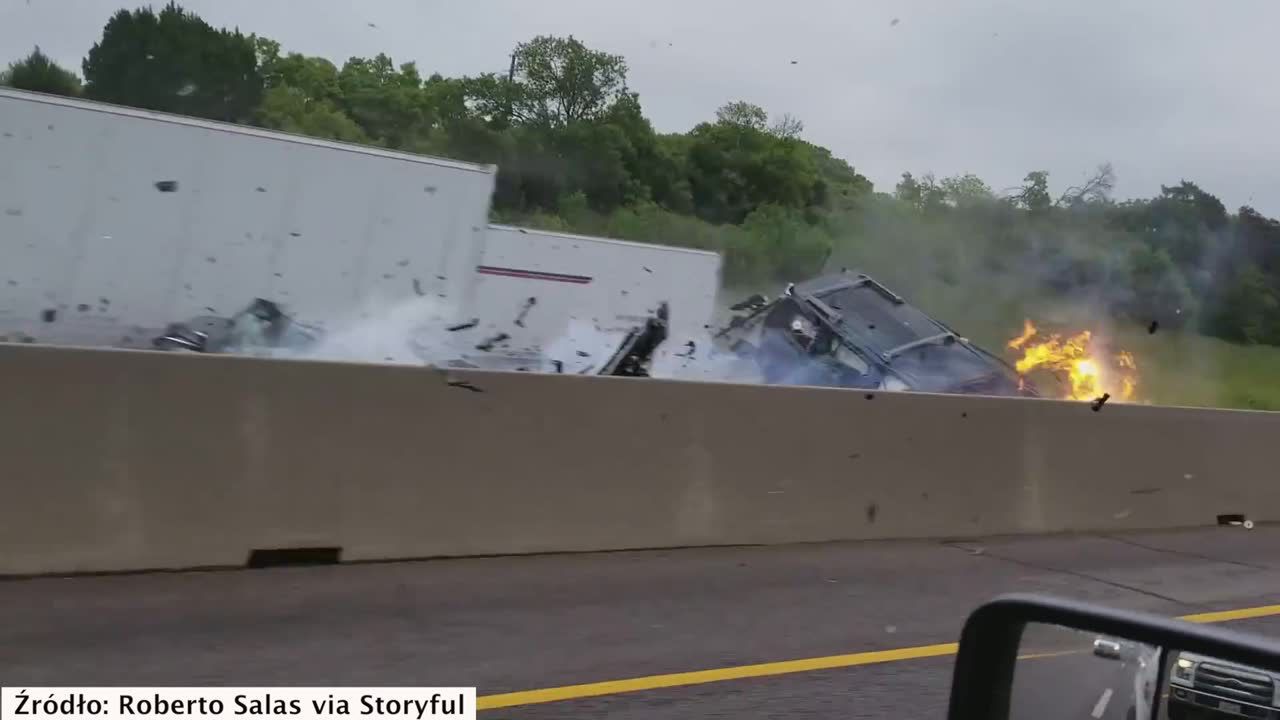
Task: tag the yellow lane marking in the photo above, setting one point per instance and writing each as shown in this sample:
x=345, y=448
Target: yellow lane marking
x=698, y=677
x=785, y=667
x=1225, y=615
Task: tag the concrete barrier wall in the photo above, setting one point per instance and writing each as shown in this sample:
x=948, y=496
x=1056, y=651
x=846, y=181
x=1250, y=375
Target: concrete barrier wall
x=116, y=460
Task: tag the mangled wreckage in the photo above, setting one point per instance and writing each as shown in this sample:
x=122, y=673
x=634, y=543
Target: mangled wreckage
x=264, y=328
x=840, y=330
x=848, y=330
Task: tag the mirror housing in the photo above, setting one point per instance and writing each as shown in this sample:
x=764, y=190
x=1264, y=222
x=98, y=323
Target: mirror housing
x=982, y=680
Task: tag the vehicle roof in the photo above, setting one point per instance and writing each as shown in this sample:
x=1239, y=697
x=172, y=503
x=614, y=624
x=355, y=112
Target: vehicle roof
x=872, y=312
x=875, y=317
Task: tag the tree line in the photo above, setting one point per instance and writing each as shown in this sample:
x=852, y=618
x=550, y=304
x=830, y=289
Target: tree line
x=576, y=152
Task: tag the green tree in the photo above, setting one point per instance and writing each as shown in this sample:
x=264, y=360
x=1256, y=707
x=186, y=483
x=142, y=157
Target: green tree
x=787, y=126
x=555, y=82
x=1034, y=193
x=1248, y=310
x=301, y=96
x=386, y=101
x=908, y=190
x=733, y=169
x=1157, y=290
x=742, y=114
x=36, y=72
x=175, y=62
x=965, y=190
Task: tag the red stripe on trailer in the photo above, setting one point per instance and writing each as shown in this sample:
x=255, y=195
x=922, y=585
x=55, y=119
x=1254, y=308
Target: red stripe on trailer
x=532, y=274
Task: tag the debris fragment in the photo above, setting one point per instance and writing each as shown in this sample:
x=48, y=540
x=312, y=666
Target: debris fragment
x=1153, y=327
x=524, y=311
x=583, y=353
x=646, y=269
x=465, y=385
x=167, y=185
x=1098, y=403
x=558, y=365
x=489, y=344
x=417, y=288
x=49, y=315
x=693, y=347
x=464, y=326
x=894, y=22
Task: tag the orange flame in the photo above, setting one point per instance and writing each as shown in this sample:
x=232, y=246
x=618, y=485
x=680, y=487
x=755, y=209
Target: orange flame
x=1089, y=373
x=1028, y=332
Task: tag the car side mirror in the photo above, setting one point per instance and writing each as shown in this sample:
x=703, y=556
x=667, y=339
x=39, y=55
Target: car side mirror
x=1028, y=656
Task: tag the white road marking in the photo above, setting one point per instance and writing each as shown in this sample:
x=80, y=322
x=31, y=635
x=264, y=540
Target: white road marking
x=1101, y=707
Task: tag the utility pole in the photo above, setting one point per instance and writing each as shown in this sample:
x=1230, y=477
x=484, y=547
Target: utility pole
x=511, y=78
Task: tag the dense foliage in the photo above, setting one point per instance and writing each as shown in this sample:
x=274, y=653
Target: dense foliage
x=576, y=152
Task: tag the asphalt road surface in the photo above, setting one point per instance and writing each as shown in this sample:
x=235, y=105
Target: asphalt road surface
x=508, y=625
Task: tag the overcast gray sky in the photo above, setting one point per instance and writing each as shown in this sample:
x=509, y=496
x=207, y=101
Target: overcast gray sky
x=1163, y=90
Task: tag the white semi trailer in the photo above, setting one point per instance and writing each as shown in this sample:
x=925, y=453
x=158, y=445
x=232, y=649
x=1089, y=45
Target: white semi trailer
x=115, y=222
x=554, y=296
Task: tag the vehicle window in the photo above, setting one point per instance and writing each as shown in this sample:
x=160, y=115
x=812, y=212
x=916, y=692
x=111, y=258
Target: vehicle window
x=850, y=359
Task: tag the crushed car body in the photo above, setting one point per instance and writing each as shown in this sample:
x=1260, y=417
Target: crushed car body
x=262, y=325
x=848, y=330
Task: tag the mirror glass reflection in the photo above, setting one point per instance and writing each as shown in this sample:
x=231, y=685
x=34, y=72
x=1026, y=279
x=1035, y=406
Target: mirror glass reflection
x=1068, y=673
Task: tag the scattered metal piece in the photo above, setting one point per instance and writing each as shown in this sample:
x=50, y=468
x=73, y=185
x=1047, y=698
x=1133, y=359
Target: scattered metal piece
x=750, y=303
x=1153, y=327
x=465, y=385
x=417, y=288
x=583, y=353
x=167, y=185
x=558, y=365
x=50, y=315
x=489, y=344
x=524, y=311
x=1098, y=403
x=464, y=326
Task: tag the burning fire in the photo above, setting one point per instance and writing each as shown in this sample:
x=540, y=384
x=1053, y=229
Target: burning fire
x=1088, y=370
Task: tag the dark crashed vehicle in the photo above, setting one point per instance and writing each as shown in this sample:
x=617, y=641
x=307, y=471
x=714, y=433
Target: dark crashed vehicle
x=848, y=330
